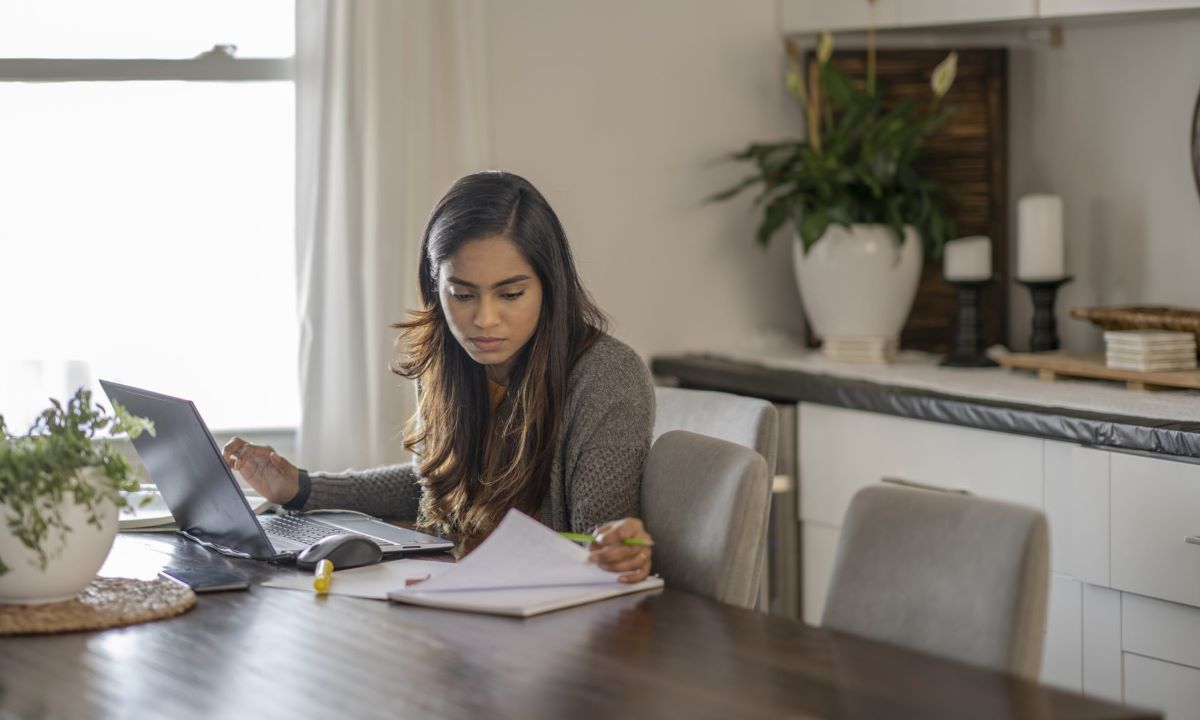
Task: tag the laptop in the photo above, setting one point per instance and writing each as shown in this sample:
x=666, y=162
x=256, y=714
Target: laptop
x=199, y=488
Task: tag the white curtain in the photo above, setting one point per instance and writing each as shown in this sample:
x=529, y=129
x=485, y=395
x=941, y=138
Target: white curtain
x=391, y=101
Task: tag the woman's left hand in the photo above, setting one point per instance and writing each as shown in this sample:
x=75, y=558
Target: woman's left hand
x=632, y=561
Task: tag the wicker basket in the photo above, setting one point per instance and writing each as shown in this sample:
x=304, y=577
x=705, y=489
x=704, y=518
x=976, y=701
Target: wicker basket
x=1142, y=317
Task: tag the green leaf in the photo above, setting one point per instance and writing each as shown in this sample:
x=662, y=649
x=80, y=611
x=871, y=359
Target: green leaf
x=812, y=227
x=736, y=189
x=775, y=216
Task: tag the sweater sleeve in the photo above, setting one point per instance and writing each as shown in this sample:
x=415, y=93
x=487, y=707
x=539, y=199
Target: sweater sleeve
x=609, y=439
x=390, y=491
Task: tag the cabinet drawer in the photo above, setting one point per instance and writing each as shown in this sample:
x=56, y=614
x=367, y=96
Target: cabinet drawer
x=1155, y=506
x=1171, y=689
x=842, y=451
x=1160, y=629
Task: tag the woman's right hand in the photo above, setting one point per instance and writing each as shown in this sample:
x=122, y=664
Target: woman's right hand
x=264, y=469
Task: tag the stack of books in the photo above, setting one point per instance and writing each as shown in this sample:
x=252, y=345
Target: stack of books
x=1150, y=350
x=872, y=350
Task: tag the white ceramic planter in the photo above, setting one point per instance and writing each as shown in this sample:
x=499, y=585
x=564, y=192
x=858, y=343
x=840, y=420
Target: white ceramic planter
x=859, y=282
x=68, y=571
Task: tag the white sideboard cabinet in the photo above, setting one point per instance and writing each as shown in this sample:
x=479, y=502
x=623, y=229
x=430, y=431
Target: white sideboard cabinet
x=1123, y=619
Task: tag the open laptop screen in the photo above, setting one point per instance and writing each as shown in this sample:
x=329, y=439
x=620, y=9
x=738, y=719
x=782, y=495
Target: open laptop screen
x=185, y=463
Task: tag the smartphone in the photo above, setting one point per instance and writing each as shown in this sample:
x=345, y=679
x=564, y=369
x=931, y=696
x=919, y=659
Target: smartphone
x=202, y=579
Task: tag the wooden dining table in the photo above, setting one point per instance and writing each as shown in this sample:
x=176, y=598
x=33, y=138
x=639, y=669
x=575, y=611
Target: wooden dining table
x=273, y=653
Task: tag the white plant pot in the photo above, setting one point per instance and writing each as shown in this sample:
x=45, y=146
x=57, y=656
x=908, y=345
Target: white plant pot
x=72, y=565
x=859, y=283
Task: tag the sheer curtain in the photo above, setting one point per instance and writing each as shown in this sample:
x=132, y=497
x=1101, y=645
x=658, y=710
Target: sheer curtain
x=391, y=102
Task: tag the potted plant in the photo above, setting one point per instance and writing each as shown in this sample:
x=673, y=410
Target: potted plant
x=60, y=488
x=860, y=210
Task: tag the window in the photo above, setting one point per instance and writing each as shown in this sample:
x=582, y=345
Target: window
x=147, y=183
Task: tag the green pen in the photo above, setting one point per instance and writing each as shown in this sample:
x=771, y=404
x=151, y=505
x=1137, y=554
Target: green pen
x=584, y=537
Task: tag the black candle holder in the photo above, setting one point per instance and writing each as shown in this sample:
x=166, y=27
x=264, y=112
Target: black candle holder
x=1045, y=327
x=968, y=334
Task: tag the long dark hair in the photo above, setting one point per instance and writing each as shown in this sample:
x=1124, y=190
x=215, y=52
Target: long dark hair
x=475, y=469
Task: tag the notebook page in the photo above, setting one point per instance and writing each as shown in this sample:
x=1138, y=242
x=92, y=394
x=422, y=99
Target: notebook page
x=520, y=552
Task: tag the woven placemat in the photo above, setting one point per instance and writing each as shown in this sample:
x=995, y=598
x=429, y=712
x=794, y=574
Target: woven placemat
x=105, y=603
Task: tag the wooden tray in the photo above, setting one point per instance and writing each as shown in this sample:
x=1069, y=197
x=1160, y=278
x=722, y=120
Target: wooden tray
x=1142, y=317
x=1056, y=365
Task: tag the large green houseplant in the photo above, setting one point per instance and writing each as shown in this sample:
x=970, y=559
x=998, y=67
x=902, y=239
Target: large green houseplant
x=854, y=173
x=858, y=161
x=55, y=481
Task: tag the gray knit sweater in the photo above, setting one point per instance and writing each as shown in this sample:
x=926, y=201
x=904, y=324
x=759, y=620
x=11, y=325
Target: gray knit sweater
x=596, y=475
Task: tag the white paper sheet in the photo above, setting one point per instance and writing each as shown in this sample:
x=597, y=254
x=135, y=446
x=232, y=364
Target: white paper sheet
x=521, y=552
x=372, y=581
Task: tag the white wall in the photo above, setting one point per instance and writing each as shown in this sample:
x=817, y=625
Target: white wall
x=620, y=112
x=1105, y=122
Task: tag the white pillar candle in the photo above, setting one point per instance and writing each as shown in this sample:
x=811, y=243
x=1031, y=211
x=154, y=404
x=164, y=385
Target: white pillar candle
x=968, y=258
x=1040, y=254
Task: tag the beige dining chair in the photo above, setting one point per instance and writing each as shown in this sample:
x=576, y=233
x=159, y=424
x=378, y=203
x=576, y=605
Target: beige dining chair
x=706, y=503
x=746, y=421
x=751, y=422
x=950, y=574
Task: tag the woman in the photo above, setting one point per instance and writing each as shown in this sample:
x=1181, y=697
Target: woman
x=523, y=400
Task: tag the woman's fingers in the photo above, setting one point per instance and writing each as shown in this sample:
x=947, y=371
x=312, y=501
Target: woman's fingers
x=255, y=465
x=231, y=450
x=611, y=533
x=610, y=553
x=263, y=469
x=637, y=576
x=628, y=564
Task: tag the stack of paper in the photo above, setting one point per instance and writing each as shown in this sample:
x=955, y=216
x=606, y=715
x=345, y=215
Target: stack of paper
x=875, y=351
x=523, y=568
x=1150, y=350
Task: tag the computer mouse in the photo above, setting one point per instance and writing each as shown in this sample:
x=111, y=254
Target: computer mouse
x=344, y=551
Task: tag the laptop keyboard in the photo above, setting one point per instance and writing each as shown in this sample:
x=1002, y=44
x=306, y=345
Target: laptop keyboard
x=300, y=529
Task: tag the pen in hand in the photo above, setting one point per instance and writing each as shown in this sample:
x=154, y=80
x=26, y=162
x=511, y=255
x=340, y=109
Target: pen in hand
x=323, y=577
x=585, y=537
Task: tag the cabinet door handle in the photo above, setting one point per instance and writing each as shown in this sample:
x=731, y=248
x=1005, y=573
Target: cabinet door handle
x=926, y=486
x=1193, y=539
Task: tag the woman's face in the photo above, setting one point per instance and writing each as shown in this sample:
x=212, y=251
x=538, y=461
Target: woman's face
x=492, y=299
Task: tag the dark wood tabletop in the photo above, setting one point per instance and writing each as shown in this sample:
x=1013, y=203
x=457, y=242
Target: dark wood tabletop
x=268, y=653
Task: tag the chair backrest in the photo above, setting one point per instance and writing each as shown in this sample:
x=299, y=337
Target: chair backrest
x=949, y=574
x=746, y=421
x=706, y=502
